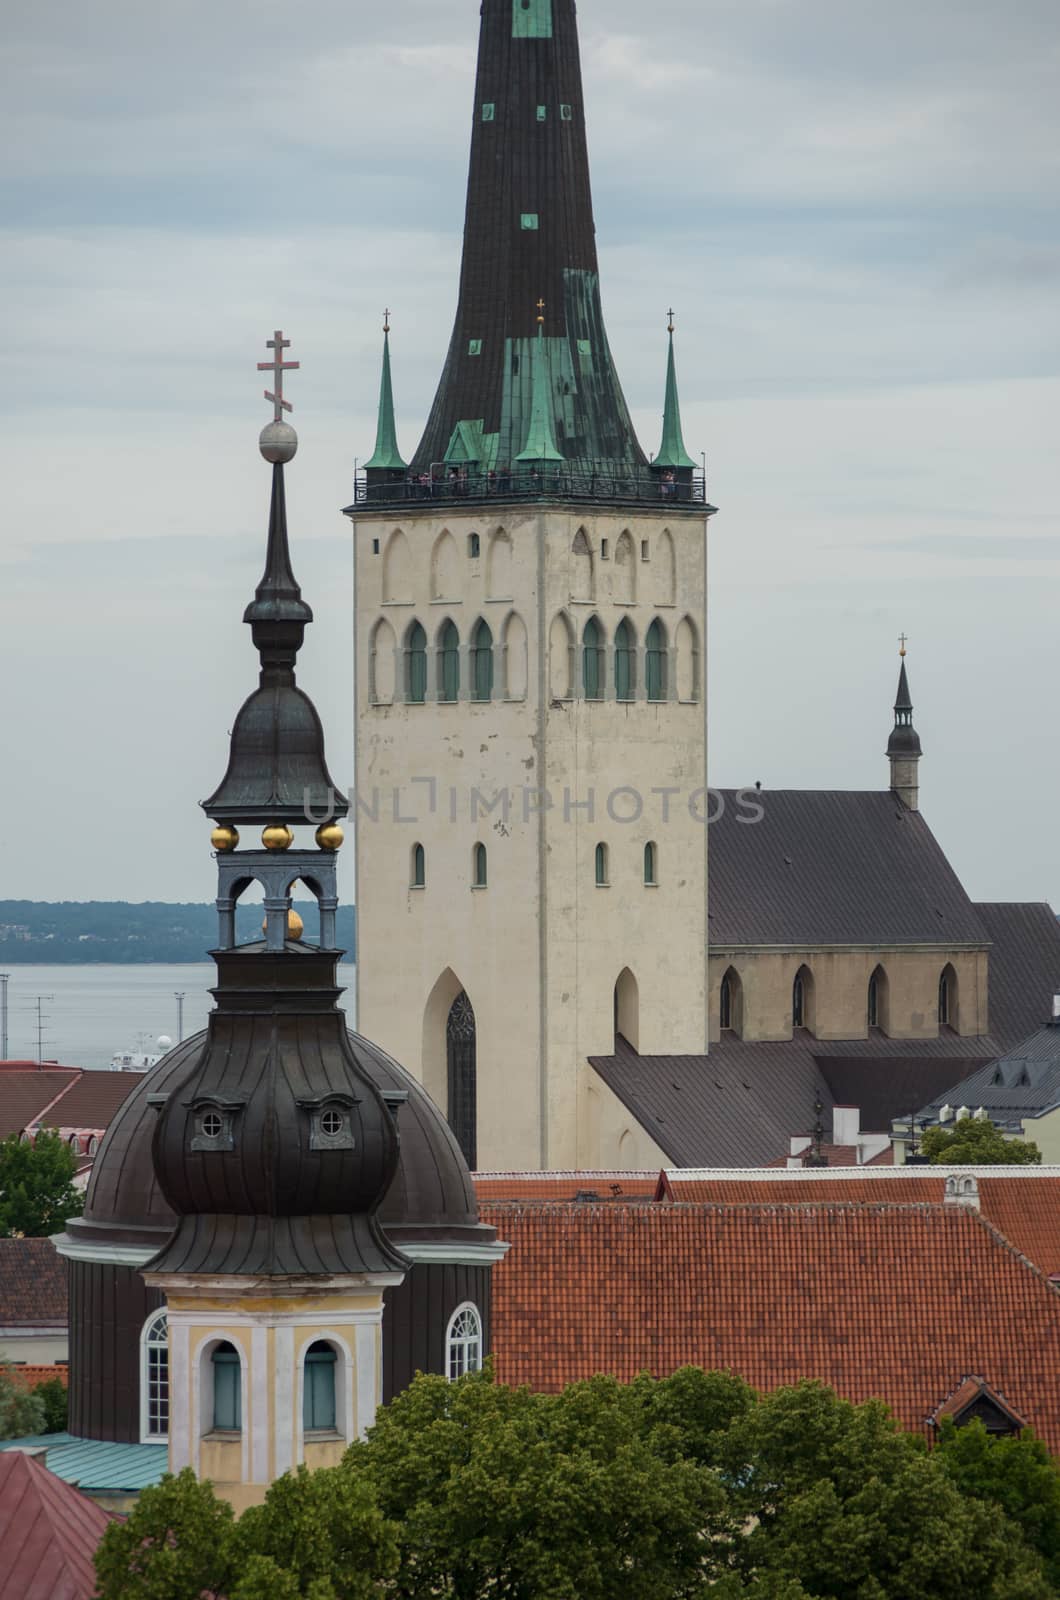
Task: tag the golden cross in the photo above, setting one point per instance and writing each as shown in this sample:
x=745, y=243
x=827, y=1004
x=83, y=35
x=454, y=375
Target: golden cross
x=670, y=315
x=902, y=640
x=278, y=366
x=386, y=320
x=540, y=311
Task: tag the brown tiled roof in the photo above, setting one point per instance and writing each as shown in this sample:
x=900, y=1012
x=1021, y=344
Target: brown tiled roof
x=26, y=1091
x=565, y=1185
x=33, y=1279
x=92, y=1101
x=833, y=867
x=900, y=1302
x=1027, y=1212
x=48, y=1533
x=966, y=1394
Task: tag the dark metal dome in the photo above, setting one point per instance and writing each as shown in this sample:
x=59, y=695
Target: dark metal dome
x=431, y=1198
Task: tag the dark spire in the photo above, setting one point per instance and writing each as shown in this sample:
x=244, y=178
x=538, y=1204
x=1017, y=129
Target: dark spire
x=276, y=763
x=529, y=232
x=903, y=747
x=386, y=457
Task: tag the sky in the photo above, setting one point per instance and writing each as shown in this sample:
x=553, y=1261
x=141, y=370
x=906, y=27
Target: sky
x=853, y=209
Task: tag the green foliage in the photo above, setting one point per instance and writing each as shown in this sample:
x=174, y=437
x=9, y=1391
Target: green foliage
x=1017, y=1474
x=689, y=1488
x=37, y=1194
x=21, y=1412
x=537, y=1497
x=174, y=1545
x=974, y=1143
x=54, y=1398
x=320, y=1531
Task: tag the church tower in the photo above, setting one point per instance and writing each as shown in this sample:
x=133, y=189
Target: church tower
x=531, y=624
x=903, y=747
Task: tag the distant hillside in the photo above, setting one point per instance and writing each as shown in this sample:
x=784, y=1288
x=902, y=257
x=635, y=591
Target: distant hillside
x=38, y=931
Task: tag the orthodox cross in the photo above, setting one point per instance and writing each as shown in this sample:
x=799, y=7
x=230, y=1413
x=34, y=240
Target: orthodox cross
x=670, y=315
x=902, y=640
x=386, y=320
x=278, y=366
x=540, y=311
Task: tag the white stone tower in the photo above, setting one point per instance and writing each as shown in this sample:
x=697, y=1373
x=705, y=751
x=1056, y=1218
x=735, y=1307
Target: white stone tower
x=531, y=625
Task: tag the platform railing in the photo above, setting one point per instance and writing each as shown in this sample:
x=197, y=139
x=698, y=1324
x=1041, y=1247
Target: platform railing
x=604, y=482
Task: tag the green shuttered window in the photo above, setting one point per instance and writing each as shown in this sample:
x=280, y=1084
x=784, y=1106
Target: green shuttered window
x=481, y=662
x=227, y=1389
x=655, y=662
x=416, y=665
x=625, y=661
x=449, y=685
x=593, y=661
x=318, y=1393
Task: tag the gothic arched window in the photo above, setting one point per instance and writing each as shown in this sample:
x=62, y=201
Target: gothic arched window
x=651, y=863
x=481, y=661
x=655, y=661
x=592, y=660
x=730, y=1005
x=463, y=1342
x=154, y=1379
x=461, y=1041
x=448, y=663
x=625, y=661
x=419, y=867
x=601, y=866
x=479, y=867
x=416, y=665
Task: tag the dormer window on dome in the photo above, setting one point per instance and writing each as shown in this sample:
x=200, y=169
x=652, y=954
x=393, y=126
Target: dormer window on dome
x=213, y=1123
x=331, y=1122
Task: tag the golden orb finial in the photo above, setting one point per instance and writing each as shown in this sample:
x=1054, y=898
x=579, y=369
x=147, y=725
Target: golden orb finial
x=223, y=838
x=902, y=641
x=277, y=838
x=329, y=836
x=295, y=925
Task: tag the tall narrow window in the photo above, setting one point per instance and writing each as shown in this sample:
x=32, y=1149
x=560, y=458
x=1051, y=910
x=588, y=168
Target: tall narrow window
x=948, y=999
x=154, y=1379
x=462, y=1071
x=592, y=660
x=448, y=663
x=798, y=1003
x=419, y=867
x=731, y=1003
x=625, y=661
x=481, y=661
x=463, y=1342
x=227, y=1389
x=655, y=662
x=318, y=1391
x=725, y=1005
x=479, y=867
x=601, y=866
x=944, y=1001
x=416, y=665
x=651, y=863
x=874, y=1002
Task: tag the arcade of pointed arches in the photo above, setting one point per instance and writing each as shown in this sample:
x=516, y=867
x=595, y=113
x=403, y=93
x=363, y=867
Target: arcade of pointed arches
x=731, y=1013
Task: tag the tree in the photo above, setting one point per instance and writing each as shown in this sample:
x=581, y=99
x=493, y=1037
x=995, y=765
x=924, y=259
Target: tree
x=537, y=1497
x=37, y=1193
x=975, y=1142
x=174, y=1545
x=55, y=1400
x=1017, y=1474
x=21, y=1413
x=837, y=1497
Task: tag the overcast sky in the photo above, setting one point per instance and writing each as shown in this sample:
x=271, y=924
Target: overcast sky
x=853, y=207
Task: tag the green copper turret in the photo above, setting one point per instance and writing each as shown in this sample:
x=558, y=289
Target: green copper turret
x=672, y=452
x=540, y=440
x=387, y=457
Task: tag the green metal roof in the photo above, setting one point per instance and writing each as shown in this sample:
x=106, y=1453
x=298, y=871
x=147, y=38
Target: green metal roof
x=98, y=1466
x=541, y=440
x=672, y=452
x=387, y=456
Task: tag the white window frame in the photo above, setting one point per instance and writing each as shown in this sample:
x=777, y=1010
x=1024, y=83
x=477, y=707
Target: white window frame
x=465, y=1346
x=147, y=1345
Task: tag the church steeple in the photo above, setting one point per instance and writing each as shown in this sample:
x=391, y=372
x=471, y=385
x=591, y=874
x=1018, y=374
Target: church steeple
x=386, y=459
x=672, y=453
x=529, y=231
x=903, y=747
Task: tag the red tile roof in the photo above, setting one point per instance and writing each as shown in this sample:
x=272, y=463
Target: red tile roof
x=33, y=1284
x=48, y=1534
x=29, y=1376
x=565, y=1185
x=900, y=1302
x=92, y=1100
x=1027, y=1211
x=27, y=1092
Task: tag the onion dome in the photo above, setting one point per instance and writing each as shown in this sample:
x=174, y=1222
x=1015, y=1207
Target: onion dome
x=277, y=771
x=431, y=1196
x=275, y=1148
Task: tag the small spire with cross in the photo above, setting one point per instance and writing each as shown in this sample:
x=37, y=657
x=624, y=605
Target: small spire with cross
x=278, y=366
x=540, y=311
x=386, y=320
x=670, y=320
x=278, y=441
x=903, y=640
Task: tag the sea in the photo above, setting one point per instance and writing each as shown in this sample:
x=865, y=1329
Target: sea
x=89, y=1013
